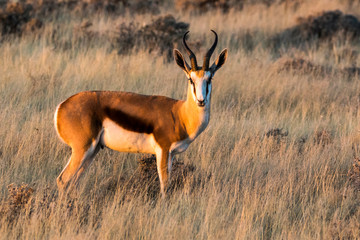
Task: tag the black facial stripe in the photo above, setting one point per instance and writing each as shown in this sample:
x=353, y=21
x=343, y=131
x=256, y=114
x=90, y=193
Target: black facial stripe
x=194, y=91
x=207, y=88
x=208, y=82
x=192, y=83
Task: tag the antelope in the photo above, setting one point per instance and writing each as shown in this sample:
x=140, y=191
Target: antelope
x=130, y=122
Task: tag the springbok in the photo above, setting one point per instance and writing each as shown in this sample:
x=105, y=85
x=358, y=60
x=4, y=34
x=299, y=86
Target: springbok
x=130, y=122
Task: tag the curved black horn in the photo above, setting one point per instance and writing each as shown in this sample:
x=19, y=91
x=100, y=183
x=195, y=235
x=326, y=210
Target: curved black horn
x=192, y=57
x=209, y=53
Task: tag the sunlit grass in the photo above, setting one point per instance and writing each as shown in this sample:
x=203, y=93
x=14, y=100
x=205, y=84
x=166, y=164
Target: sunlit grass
x=245, y=184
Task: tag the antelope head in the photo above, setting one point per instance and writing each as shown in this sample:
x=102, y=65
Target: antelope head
x=200, y=77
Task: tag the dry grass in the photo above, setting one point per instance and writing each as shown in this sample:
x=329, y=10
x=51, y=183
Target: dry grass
x=276, y=162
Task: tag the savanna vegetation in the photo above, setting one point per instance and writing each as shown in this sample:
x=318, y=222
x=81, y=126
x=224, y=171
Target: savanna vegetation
x=279, y=159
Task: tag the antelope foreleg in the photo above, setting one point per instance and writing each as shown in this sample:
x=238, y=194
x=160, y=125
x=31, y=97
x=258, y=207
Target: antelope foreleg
x=163, y=163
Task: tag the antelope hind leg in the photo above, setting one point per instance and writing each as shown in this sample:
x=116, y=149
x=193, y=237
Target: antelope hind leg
x=80, y=159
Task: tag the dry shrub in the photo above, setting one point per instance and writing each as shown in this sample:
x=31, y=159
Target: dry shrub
x=144, y=182
x=164, y=32
x=147, y=6
x=33, y=25
x=277, y=133
x=86, y=7
x=323, y=137
x=21, y=199
x=324, y=26
x=354, y=174
x=299, y=65
x=146, y=179
x=124, y=39
x=345, y=229
x=161, y=36
x=84, y=35
x=275, y=138
x=224, y=5
x=206, y=5
x=45, y=8
x=300, y=144
x=348, y=226
x=350, y=71
x=302, y=66
x=117, y=7
x=347, y=53
x=19, y=196
x=327, y=25
x=17, y=18
x=92, y=6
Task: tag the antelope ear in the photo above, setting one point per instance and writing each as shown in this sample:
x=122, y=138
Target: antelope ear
x=179, y=59
x=220, y=61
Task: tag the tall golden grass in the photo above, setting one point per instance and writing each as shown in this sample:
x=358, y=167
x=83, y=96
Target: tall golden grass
x=272, y=164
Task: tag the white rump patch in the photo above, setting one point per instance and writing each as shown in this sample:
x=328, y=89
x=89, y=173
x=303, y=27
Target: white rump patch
x=56, y=123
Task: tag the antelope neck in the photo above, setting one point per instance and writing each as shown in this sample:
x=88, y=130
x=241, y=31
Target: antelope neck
x=195, y=118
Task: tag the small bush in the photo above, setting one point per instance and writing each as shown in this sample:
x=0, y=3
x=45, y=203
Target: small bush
x=324, y=26
x=206, y=5
x=19, y=196
x=224, y=5
x=302, y=66
x=275, y=139
x=276, y=133
x=299, y=65
x=161, y=36
x=354, y=174
x=323, y=137
x=146, y=178
x=17, y=18
x=86, y=7
x=144, y=181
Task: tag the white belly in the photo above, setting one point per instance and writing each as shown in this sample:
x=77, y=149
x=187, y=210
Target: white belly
x=122, y=140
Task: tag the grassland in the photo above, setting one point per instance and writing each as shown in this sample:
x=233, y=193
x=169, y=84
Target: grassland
x=291, y=183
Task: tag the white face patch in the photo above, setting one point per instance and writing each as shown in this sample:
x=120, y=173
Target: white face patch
x=201, y=88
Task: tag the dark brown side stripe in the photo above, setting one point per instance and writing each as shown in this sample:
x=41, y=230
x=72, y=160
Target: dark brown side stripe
x=128, y=122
